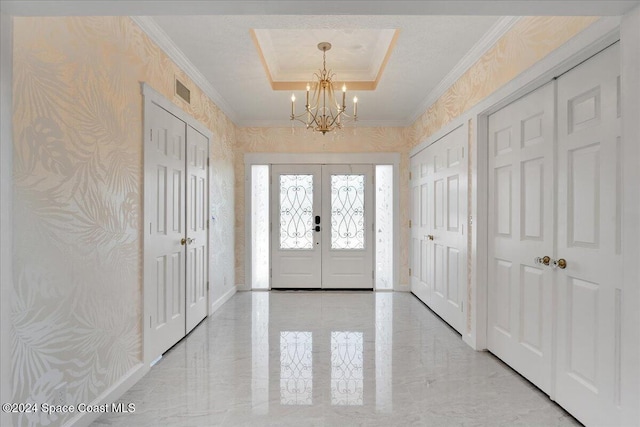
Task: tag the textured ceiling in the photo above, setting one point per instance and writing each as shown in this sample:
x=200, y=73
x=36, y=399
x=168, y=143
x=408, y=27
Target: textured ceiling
x=222, y=49
x=355, y=54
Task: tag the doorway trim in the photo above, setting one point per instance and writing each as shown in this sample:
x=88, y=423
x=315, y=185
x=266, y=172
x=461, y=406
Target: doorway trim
x=150, y=96
x=383, y=158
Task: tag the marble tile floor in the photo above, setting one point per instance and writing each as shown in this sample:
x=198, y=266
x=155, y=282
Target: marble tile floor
x=331, y=359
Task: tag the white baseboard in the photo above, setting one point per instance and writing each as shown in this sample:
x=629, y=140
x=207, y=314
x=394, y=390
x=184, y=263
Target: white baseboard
x=224, y=298
x=110, y=395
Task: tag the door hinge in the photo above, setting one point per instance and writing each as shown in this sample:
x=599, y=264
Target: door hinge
x=149, y=322
x=271, y=272
x=461, y=305
x=410, y=176
x=207, y=162
x=373, y=274
x=409, y=272
x=409, y=223
x=463, y=152
x=207, y=224
x=151, y=134
x=207, y=286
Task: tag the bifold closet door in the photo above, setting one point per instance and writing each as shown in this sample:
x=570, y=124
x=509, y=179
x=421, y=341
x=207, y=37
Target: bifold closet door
x=590, y=240
x=521, y=230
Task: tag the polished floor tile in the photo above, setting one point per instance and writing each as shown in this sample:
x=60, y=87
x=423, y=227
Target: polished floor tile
x=331, y=359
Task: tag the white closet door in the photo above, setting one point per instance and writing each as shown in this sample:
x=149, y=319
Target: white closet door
x=521, y=229
x=347, y=226
x=165, y=197
x=197, y=235
x=421, y=269
x=589, y=239
x=438, y=242
x=295, y=245
x=447, y=207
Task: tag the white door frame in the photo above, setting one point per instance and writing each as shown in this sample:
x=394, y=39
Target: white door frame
x=151, y=96
x=251, y=159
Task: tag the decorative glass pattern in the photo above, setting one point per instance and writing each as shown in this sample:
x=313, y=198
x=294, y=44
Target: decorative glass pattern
x=347, y=211
x=347, y=376
x=384, y=227
x=296, y=211
x=296, y=368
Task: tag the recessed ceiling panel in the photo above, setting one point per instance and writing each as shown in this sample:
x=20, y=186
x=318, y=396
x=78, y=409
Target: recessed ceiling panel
x=292, y=55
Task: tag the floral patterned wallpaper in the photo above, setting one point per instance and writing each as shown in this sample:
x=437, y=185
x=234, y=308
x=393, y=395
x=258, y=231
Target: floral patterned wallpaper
x=530, y=40
x=77, y=205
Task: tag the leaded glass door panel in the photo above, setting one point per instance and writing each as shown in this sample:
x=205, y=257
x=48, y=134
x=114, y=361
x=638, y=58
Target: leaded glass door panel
x=347, y=226
x=296, y=246
x=322, y=227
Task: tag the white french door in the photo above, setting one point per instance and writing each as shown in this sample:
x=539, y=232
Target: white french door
x=439, y=206
x=555, y=238
x=322, y=229
x=176, y=234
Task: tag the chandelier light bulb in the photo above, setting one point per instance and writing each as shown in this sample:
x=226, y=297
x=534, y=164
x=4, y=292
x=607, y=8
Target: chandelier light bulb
x=293, y=97
x=344, y=87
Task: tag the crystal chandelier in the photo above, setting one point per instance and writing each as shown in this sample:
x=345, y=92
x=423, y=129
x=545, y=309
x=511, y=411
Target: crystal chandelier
x=322, y=112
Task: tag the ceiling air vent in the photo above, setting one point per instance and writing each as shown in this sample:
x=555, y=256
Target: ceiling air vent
x=183, y=92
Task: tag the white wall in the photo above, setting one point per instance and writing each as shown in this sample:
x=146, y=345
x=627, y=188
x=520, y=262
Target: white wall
x=630, y=90
x=6, y=189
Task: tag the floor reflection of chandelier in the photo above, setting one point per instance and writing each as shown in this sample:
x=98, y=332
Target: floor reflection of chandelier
x=322, y=112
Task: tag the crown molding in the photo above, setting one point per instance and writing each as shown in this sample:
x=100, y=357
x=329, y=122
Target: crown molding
x=489, y=39
x=287, y=124
x=157, y=34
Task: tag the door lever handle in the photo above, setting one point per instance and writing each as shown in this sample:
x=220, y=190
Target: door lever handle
x=317, y=220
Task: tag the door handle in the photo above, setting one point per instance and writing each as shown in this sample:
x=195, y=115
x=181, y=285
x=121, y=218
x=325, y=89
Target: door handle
x=560, y=263
x=183, y=241
x=190, y=241
x=317, y=228
x=430, y=236
x=317, y=220
x=545, y=260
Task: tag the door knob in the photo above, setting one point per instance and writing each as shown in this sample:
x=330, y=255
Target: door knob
x=183, y=241
x=430, y=236
x=561, y=263
x=190, y=240
x=545, y=260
